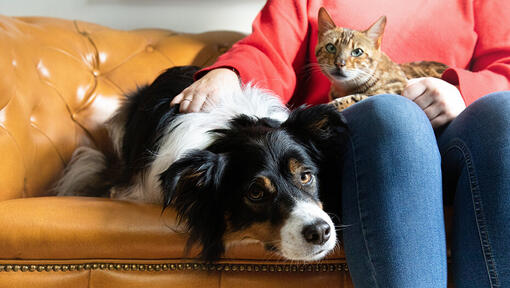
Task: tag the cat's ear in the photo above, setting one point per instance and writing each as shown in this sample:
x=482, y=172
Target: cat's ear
x=325, y=21
x=376, y=31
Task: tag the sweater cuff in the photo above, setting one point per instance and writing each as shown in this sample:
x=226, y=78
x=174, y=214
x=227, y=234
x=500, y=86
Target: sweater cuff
x=199, y=74
x=473, y=85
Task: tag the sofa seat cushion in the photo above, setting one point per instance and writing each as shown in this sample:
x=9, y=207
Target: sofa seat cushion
x=98, y=228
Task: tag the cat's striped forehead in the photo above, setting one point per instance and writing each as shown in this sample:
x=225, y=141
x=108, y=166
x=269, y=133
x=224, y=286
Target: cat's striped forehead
x=345, y=37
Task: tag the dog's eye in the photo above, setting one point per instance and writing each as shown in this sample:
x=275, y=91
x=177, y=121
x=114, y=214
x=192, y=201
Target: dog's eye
x=306, y=178
x=256, y=194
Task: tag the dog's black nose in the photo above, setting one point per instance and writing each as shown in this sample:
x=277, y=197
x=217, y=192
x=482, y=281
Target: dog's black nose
x=317, y=233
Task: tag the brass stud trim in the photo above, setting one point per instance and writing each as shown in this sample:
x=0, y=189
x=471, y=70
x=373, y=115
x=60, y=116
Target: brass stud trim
x=268, y=268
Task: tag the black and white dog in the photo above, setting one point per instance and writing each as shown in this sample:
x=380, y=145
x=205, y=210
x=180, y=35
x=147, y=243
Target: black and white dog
x=247, y=169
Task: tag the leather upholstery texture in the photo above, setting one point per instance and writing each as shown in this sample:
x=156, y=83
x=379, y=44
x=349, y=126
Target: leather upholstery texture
x=60, y=80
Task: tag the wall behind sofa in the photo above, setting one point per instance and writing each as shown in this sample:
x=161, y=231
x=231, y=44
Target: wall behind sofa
x=179, y=15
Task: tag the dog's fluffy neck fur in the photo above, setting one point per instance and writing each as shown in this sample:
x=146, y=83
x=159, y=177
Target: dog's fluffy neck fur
x=186, y=132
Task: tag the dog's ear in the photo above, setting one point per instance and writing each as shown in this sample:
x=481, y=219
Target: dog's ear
x=191, y=186
x=322, y=129
x=324, y=133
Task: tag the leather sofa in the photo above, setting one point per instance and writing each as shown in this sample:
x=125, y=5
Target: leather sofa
x=60, y=79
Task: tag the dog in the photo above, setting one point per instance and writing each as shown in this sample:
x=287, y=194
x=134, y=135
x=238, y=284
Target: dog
x=246, y=169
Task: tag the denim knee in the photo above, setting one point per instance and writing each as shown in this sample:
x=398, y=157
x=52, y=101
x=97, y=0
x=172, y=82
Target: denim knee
x=483, y=124
x=492, y=109
x=390, y=115
x=392, y=128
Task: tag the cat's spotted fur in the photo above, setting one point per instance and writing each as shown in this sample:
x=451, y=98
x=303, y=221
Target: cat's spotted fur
x=357, y=67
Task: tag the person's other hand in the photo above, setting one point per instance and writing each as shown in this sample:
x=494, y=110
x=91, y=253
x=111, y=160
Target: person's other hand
x=205, y=91
x=440, y=100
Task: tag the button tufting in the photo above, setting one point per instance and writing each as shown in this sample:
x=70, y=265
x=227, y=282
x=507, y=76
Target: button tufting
x=103, y=56
x=96, y=72
x=149, y=49
x=42, y=69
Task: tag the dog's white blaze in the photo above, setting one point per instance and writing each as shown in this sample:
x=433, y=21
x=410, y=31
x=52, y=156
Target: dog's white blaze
x=293, y=245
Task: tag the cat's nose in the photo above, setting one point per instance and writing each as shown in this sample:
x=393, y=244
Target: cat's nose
x=340, y=63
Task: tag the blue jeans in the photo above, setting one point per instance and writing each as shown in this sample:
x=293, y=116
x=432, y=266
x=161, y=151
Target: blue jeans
x=396, y=177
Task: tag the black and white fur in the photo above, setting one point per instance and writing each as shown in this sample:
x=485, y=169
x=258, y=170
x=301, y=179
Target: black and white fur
x=246, y=169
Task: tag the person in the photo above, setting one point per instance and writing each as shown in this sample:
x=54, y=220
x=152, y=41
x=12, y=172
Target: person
x=440, y=136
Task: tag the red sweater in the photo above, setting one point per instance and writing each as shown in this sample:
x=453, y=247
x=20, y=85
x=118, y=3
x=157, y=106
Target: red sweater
x=472, y=36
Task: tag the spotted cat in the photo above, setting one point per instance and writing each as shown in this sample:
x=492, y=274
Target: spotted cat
x=357, y=67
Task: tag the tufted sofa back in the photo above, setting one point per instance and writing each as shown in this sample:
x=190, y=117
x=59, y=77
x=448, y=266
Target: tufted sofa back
x=61, y=79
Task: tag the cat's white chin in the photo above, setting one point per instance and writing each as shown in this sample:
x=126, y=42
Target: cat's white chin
x=347, y=76
x=343, y=75
x=342, y=79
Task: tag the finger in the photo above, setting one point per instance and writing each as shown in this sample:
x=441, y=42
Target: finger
x=414, y=90
x=177, y=99
x=204, y=107
x=424, y=100
x=439, y=121
x=183, y=108
x=414, y=80
x=208, y=103
x=196, y=104
x=432, y=111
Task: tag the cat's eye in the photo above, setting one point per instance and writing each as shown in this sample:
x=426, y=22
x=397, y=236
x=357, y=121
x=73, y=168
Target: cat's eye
x=357, y=52
x=306, y=178
x=330, y=48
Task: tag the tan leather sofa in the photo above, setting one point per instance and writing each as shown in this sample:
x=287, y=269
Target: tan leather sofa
x=59, y=80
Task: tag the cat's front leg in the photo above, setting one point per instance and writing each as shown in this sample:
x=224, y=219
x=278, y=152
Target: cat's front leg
x=346, y=101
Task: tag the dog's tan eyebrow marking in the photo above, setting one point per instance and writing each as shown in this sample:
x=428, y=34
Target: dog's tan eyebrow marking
x=267, y=183
x=193, y=175
x=295, y=166
x=318, y=125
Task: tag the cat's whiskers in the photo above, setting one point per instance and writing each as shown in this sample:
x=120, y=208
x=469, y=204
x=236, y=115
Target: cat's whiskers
x=368, y=76
x=314, y=67
x=309, y=69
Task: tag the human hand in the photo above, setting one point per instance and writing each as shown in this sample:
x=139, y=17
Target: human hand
x=205, y=91
x=440, y=100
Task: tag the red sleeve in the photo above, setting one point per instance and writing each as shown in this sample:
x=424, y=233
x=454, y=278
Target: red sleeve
x=490, y=65
x=267, y=56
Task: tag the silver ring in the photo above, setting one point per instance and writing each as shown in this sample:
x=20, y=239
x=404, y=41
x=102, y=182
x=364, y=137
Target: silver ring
x=186, y=100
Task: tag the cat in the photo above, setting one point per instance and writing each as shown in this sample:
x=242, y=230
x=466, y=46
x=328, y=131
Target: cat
x=357, y=67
